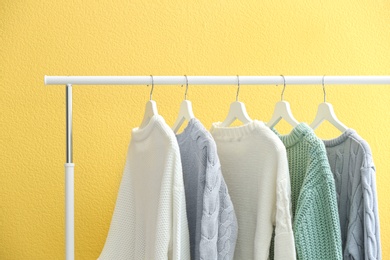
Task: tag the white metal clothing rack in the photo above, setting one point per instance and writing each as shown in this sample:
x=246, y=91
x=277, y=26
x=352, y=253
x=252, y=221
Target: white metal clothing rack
x=68, y=81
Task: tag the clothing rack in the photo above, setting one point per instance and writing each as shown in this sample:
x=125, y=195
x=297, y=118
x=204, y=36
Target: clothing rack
x=68, y=81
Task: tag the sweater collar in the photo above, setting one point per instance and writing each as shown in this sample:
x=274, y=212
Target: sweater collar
x=295, y=135
x=142, y=133
x=234, y=132
x=340, y=139
x=192, y=123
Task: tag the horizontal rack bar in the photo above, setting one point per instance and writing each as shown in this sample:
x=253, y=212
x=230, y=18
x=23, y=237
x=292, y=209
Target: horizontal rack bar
x=215, y=80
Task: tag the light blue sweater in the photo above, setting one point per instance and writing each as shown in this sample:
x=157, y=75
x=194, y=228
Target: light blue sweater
x=211, y=218
x=353, y=169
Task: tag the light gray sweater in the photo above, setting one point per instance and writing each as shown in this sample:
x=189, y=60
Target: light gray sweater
x=211, y=218
x=353, y=169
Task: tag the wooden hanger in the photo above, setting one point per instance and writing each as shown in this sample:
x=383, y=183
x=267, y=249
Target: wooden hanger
x=237, y=110
x=150, y=109
x=282, y=110
x=326, y=112
x=185, y=112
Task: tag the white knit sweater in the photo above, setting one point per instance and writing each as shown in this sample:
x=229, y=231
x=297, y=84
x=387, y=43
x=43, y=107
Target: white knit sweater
x=149, y=219
x=255, y=167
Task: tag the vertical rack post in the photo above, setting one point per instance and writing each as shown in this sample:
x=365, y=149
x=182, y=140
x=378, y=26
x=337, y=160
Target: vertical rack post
x=69, y=180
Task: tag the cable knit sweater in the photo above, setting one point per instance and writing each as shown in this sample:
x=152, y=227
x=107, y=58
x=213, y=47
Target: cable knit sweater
x=149, y=219
x=314, y=203
x=254, y=165
x=211, y=218
x=354, y=173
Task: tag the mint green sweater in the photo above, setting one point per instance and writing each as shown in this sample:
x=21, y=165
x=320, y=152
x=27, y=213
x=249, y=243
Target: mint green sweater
x=316, y=224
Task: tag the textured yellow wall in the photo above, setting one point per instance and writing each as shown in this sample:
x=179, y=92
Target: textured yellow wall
x=164, y=38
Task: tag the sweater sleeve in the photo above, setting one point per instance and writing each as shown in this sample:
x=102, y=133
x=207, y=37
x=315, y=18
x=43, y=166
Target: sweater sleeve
x=317, y=227
x=284, y=238
x=228, y=227
x=119, y=243
x=218, y=223
x=372, y=243
x=210, y=214
x=180, y=242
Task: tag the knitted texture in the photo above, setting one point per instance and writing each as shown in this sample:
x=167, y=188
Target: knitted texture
x=353, y=169
x=254, y=165
x=211, y=217
x=149, y=219
x=314, y=203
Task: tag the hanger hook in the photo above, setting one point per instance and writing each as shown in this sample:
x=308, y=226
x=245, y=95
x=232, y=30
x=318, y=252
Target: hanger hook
x=151, y=91
x=284, y=87
x=185, y=94
x=323, y=87
x=238, y=87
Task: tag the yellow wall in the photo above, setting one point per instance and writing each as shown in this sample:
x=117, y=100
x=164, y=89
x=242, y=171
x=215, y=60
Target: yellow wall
x=164, y=38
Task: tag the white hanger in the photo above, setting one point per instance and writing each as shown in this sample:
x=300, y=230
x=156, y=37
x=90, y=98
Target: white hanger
x=150, y=109
x=325, y=112
x=282, y=110
x=237, y=110
x=185, y=111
